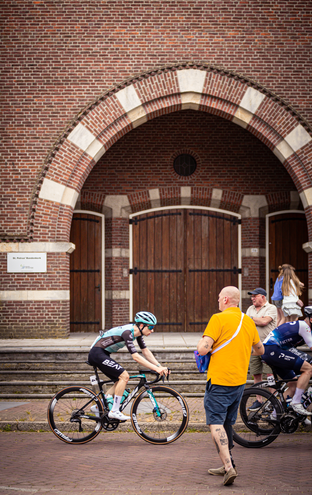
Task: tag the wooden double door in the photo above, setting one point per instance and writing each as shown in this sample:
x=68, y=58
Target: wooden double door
x=182, y=258
x=287, y=232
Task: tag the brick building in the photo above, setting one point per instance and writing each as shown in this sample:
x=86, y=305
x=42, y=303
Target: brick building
x=151, y=153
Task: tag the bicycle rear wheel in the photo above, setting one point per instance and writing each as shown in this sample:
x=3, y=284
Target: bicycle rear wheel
x=173, y=419
x=259, y=428
x=70, y=416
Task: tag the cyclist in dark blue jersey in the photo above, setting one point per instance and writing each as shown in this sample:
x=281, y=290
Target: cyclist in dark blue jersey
x=115, y=339
x=277, y=347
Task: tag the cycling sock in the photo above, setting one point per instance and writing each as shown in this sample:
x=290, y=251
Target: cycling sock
x=116, y=405
x=298, y=396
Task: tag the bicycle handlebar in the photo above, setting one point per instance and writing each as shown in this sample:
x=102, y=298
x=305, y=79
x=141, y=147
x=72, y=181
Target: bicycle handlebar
x=158, y=376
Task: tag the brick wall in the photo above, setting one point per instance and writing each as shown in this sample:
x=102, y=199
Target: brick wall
x=34, y=319
x=59, y=56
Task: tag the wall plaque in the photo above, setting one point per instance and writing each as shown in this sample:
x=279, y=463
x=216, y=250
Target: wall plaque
x=27, y=262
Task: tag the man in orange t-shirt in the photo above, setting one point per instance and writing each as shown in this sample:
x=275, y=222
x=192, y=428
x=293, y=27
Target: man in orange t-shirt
x=227, y=373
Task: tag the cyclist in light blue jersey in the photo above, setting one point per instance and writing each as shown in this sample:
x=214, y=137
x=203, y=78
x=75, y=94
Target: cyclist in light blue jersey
x=277, y=347
x=115, y=339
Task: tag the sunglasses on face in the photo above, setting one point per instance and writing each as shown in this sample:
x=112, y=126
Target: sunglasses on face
x=150, y=327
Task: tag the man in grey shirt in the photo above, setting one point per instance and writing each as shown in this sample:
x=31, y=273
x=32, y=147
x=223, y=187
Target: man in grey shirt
x=264, y=315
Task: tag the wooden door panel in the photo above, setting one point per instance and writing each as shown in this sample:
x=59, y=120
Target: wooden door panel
x=85, y=274
x=157, y=263
x=181, y=267
x=287, y=233
x=213, y=237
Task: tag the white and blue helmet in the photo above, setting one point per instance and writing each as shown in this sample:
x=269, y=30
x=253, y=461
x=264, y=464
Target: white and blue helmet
x=146, y=318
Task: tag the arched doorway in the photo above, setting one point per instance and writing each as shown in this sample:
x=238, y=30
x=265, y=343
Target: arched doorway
x=286, y=232
x=181, y=259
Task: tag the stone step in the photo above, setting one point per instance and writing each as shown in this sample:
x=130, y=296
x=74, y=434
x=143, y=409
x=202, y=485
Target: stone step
x=40, y=373
x=59, y=374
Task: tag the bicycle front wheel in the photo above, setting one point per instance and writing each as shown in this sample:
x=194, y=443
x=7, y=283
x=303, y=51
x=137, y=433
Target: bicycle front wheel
x=70, y=416
x=162, y=418
x=258, y=428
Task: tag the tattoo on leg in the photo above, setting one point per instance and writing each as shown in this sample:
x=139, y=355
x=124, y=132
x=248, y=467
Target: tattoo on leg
x=228, y=461
x=223, y=441
x=218, y=450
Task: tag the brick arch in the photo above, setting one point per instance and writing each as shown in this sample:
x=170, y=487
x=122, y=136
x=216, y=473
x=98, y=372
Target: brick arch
x=151, y=95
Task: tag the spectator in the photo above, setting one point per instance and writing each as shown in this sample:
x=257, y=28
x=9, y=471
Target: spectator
x=277, y=297
x=227, y=373
x=291, y=289
x=264, y=316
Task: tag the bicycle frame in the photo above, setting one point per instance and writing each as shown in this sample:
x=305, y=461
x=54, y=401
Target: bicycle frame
x=143, y=383
x=280, y=386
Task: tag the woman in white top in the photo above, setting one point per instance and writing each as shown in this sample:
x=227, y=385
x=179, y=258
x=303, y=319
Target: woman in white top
x=291, y=289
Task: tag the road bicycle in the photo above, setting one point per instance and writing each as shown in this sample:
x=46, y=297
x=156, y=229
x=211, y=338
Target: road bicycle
x=262, y=427
x=159, y=414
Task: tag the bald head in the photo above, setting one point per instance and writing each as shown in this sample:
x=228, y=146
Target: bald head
x=228, y=297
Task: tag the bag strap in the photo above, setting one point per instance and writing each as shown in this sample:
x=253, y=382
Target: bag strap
x=236, y=333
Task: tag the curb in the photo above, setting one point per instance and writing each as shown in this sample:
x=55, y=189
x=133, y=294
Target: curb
x=43, y=426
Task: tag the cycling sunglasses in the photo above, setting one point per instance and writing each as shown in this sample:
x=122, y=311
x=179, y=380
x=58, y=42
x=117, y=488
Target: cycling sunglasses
x=150, y=327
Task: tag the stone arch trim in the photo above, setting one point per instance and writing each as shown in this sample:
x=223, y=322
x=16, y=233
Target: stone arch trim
x=200, y=87
x=199, y=196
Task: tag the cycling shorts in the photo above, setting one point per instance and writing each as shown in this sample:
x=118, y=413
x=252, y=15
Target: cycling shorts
x=286, y=364
x=98, y=357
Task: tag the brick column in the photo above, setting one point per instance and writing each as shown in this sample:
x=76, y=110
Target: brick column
x=117, y=291
x=253, y=210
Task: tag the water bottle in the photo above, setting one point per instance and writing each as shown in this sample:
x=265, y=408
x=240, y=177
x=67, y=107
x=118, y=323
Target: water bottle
x=125, y=395
x=307, y=398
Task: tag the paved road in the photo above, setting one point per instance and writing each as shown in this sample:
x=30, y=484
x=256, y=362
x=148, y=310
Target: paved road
x=122, y=463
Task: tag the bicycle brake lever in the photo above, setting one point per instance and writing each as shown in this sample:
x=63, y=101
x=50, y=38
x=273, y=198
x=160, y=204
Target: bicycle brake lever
x=168, y=374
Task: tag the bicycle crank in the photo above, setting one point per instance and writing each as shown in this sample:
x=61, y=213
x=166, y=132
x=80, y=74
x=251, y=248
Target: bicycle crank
x=109, y=424
x=289, y=423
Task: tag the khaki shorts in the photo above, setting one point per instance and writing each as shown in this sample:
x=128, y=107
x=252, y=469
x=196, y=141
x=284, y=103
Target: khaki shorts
x=257, y=367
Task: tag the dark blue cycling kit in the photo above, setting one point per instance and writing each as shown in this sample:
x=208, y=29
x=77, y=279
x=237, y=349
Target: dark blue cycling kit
x=278, y=343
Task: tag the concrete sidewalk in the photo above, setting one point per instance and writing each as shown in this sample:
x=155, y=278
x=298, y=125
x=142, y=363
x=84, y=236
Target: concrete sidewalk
x=159, y=340
x=121, y=463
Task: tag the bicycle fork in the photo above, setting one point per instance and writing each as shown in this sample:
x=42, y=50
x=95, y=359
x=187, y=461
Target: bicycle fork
x=154, y=402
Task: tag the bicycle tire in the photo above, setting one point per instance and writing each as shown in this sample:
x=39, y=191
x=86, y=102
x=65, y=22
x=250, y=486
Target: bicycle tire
x=65, y=415
x=170, y=425
x=261, y=429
